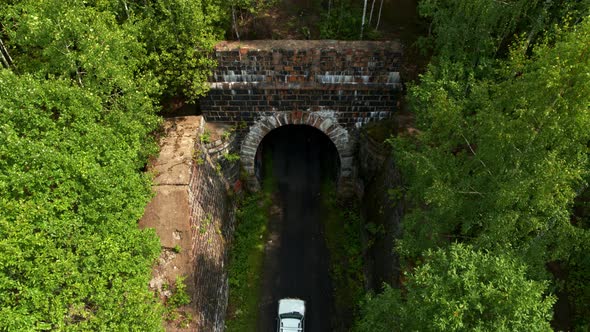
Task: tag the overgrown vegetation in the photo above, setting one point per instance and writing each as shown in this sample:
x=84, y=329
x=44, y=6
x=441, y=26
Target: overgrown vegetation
x=77, y=108
x=461, y=289
x=178, y=298
x=342, y=226
x=231, y=157
x=242, y=12
x=343, y=20
x=247, y=254
x=499, y=159
x=246, y=258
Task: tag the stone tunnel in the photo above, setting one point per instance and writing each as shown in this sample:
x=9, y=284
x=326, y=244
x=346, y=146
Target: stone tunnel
x=334, y=86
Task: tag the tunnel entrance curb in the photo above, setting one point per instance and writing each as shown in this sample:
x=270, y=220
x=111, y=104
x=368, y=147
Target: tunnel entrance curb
x=325, y=121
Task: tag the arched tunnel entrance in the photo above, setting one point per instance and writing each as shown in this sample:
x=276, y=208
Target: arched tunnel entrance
x=296, y=160
x=252, y=148
x=297, y=155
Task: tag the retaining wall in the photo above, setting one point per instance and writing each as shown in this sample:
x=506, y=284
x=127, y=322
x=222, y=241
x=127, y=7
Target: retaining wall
x=193, y=215
x=380, y=182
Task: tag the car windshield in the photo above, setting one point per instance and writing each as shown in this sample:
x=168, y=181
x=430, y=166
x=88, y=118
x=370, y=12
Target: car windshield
x=293, y=314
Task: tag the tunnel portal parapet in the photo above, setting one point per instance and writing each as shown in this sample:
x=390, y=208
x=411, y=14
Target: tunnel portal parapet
x=359, y=80
x=335, y=86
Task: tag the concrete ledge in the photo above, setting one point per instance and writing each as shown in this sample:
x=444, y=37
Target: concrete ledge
x=168, y=214
x=176, y=151
x=306, y=85
x=269, y=45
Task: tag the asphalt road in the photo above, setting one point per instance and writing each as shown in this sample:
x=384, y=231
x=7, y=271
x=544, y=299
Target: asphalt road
x=296, y=261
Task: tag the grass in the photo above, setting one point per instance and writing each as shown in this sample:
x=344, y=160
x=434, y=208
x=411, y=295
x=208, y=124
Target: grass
x=342, y=225
x=247, y=257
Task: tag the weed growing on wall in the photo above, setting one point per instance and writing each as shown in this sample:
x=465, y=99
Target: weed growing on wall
x=205, y=137
x=178, y=299
x=231, y=157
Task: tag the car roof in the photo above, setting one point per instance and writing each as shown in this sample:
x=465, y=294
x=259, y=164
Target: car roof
x=291, y=324
x=288, y=305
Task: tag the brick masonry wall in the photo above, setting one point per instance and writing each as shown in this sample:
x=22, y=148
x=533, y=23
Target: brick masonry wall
x=212, y=224
x=377, y=175
x=193, y=216
x=359, y=80
x=218, y=151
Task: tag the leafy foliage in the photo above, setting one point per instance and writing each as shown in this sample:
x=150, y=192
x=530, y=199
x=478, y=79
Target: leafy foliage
x=179, y=296
x=467, y=31
x=77, y=113
x=72, y=255
x=342, y=22
x=460, y=289
x=342, y=225
x=500, y=155
x=177, y=35
x=242, y=12
x=497, y=170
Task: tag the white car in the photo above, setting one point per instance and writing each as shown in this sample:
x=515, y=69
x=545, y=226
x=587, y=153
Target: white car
x=291, y=315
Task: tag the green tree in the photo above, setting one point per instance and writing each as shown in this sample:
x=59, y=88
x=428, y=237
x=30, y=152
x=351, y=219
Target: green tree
x=474, y=34
x=342, y=21
x=77, y=113
x=66, y=39
x=461, y=289
x=500, y=155
x=57, y=39
x=466, y=31
x=242, y=11
x=178, y=36
x=71, y=255
x=499, y=167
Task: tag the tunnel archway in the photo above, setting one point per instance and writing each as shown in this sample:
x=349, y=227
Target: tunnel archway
x=324, y=121
x=299, y=153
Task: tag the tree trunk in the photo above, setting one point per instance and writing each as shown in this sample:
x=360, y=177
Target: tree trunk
x=363, y=20
x=126, y=8
x=379, y=17
x=6, y=59
x=233, y=14
x=371, y=14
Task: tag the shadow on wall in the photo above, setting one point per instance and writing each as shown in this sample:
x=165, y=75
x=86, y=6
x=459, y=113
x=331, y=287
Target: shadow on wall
x=210, y=283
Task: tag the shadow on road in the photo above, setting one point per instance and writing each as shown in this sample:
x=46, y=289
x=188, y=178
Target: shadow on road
x=296, y=261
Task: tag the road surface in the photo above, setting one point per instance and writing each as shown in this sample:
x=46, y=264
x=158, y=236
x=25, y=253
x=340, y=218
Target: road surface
x=296, y=261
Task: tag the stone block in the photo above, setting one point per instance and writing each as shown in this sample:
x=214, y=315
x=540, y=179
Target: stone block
x=168, y=213
x=176, y=152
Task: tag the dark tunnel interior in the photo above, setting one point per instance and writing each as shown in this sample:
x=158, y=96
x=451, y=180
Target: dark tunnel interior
x=297, y=153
